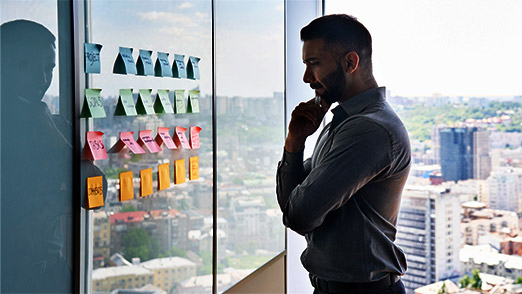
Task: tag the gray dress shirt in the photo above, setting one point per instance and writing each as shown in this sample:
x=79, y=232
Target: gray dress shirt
x=346, y=198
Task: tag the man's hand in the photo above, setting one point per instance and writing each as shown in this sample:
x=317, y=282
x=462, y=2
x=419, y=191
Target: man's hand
x=306, y=118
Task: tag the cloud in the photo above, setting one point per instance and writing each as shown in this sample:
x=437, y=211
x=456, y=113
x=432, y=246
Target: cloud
x=280, y=7
x=185, y=5
x=175, y=18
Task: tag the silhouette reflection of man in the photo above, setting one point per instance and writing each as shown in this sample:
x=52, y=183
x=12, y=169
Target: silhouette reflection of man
x=36, y=163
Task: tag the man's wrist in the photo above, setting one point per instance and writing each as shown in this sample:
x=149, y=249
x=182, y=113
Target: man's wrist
x=294, y=145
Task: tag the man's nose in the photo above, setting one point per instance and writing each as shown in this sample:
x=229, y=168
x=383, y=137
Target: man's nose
x=308, y=76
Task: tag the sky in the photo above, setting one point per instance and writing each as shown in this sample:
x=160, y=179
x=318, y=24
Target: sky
x=452, y=48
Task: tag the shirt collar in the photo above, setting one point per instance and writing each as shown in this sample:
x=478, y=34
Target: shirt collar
x=359, y=102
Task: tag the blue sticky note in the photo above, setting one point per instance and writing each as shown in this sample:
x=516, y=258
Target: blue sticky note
x=162, y=66
x=124, y=63
x=144, y=64
x=92, y=58
x=178, y=66
x=193, y=68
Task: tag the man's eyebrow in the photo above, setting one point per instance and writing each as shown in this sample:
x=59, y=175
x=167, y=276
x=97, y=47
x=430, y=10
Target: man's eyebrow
x=310, y=59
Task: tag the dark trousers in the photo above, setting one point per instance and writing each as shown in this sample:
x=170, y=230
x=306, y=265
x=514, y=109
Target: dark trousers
x=397, y=288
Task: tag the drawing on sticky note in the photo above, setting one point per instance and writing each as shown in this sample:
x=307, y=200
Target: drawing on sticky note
x=193, y=103
x=179, y=101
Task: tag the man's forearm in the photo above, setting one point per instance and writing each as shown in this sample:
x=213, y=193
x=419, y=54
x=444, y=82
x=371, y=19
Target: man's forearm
x=294, y=145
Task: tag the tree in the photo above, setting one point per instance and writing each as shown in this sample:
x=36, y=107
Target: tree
x=464, y=282
x=138, y=243
x=519, y=280
x=442, y=289
x=128, y=208
x=476, y=282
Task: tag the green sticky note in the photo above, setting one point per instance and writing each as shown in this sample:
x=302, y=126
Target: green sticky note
x=162, y=103
x=93, y=104
x=144, y=64
x=193, y=68
x=92, y=58
x=179, y=101
x=144, y=104
x=162, y=66
x=178, y=66
x=125, y=104
x=193, y=103
x=124, y=63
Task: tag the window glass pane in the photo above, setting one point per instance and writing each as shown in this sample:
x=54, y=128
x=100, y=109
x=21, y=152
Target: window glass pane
x=161, y=240
x=250, y=129
x=36, y=152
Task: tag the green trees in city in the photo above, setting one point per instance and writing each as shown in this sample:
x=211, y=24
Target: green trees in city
x=138, y=243
x=473, y=282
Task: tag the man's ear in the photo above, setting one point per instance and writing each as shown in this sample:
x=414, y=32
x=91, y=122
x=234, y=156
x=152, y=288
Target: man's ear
x=351, y=61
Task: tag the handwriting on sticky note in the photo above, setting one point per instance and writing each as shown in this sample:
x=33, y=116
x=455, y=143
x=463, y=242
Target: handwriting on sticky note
x=127, y=140
x=144, y=104
x=93, y=104
x=194, y=168
x=126, y=186
x=94, y=148
x=180, y=139
x=125, y=105
x=163, y=137
x=144, y=64
x=193, y=106
x=92, y=57
x=163, y=176
x=179, y=101
x=193, y=68
x=94, y=192
x=124, y=63
x=162, y=66
x=162, y=103
x=147, y=140
x=179, y=171
x=194, y=137
x=178, y=66
x=145, y=182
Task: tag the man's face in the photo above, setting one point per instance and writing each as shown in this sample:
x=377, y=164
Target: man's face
x=324, y=71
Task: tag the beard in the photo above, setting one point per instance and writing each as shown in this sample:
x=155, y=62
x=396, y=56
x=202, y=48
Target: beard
x=333, y=84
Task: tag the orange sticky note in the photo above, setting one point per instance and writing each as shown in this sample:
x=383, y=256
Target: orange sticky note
x=94, y=192
x=194, y=168
x=126, y=186
x=145, y=182
x=194, y=137
x=163, y=176
x=94, y=148
x=179, y=171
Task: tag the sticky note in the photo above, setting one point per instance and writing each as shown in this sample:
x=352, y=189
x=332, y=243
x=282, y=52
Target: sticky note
x=193, y=68
x=124, y=63
x=127, y=140
x=126, y=186
x=144, y=65
x=194, y=137
x=162, y=103
x=162, y=66
x=193, y=103
x=179, y=171
x=93, y=104
x=163, y=137
x=179, y=101
x=178, y=66
x=145, y=182
x=194, y=168
x=144, y=104
x=94, y=148
x=145, y=139
x=163, y=176
x=180, y=139
x=92, y=57
x=125, y=105
x=94, y=192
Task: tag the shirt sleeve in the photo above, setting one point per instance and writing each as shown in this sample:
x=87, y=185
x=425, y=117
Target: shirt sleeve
x=359, y=152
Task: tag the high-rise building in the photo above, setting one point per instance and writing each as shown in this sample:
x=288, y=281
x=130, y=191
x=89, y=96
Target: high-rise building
x=505, y=189
x=428, y=230
x=464, y=154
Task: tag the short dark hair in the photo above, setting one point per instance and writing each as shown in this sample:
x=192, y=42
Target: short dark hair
x=344, y=31
x=19, y=37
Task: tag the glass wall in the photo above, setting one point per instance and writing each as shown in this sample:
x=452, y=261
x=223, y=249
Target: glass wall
x=250, y=132
x=36, y=148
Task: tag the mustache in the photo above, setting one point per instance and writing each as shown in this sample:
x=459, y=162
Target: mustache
x=315, y=86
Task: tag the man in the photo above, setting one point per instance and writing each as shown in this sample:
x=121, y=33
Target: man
x=345, y=198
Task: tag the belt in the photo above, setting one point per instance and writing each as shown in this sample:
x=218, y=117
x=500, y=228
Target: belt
x=344, y=287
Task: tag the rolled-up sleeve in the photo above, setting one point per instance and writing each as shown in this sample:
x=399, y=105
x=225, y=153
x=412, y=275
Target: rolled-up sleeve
x=356, y=156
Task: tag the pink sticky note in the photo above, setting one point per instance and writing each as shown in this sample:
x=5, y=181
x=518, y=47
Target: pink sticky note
x=163, y=137
x=127, y=140
x=147, y=140
x=194, y=137
x=94, y=148
x=180, y=138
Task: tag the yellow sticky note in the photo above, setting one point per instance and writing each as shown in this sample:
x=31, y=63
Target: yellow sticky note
x=163, y=176
x=94, y=192
x=126, y=186
x=145, y=182
x=194, y=168
x=179, y=171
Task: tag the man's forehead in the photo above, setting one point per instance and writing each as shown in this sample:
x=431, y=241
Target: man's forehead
x=313, y=49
